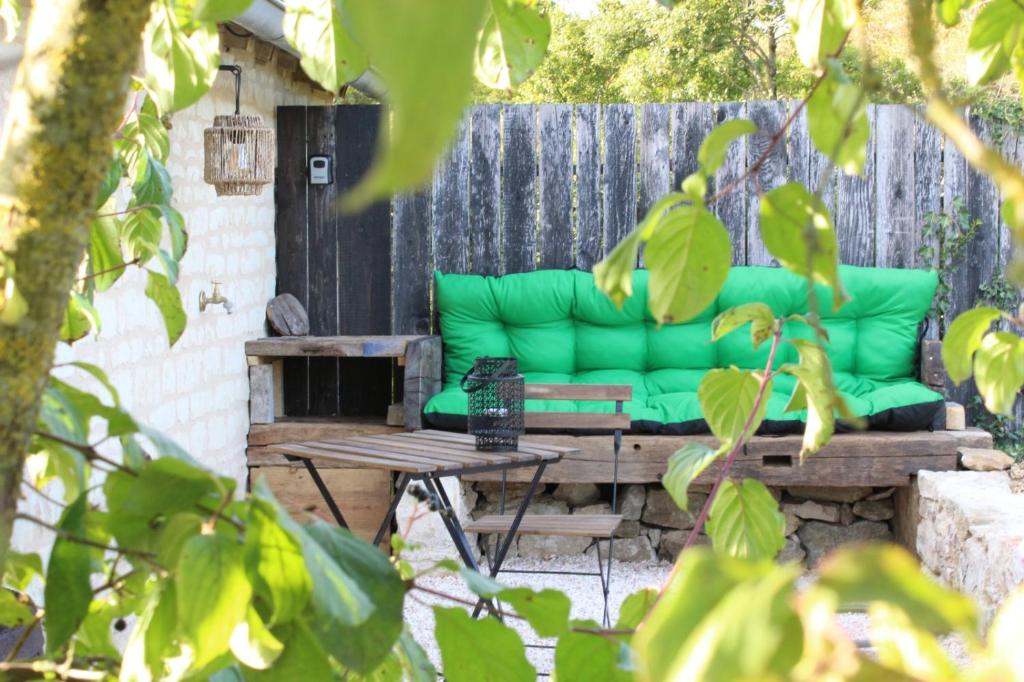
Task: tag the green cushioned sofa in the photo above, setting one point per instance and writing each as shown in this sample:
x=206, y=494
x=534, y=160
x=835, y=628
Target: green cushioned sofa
x=562, y=329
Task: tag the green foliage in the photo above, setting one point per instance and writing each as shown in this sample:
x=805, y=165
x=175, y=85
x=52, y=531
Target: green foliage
x=837, y=120
x=760, y=316
x=484, y=649
x=181, y=57
x=729, y=403
x=820, y=27
x=1006, y=433
x=944, y=241
x=711, y=154
x=330, y=55
x=512, y=43
x=745, y=521
x=963, y=339
x=817, y=393
x=797, y=230
x=684, y=466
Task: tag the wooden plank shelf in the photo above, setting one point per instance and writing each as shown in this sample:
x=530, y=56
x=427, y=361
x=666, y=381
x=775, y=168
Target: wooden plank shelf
x=329, y=346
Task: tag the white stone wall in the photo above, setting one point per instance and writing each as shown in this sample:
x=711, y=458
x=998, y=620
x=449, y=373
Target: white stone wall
x=197, y=391
x=970, y=534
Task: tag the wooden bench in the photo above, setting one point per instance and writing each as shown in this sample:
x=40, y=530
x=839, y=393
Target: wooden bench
x=862, y=458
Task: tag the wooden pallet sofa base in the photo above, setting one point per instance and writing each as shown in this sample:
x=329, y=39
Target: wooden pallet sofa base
x=872, y=458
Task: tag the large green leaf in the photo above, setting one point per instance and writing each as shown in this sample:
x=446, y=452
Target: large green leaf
x=1004, y=635
x=168, y=300
x=474, y=650
x=727, y=399
x=994, y=36
x=106, y=264
x=302, y=659
x=329, y=55
x=141, y=505
x=338, y=601
x=585, y=657
x=635, y=608
x=791, y=217
x=253, y=644
x=999, y=371
x=817, y=390
x=614, y=274
x=721, y=619
x=80, y=318
x=274, y=560
x=218, y=11
x=67, y=578
x=685, y=465
x=837, y=120
x=180, y=66
x=427, y=101
x=963, y=339
x=362, y=647
x=866, y=574
x=711, y=154
x=416, y=664
x=819, y=27
x=901, y=645
x=759, y=315
x=745, y=521
x=948, y=11
x=512, y=43
x=547, y=611
x=688, y=257
x=213, y=594
x=14, y=610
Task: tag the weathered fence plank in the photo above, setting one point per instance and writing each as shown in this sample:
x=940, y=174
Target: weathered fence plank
x=451, y=206
x=854, y=215
x=769, y=117
x=589, y=242
x=927, y=200
x=485, y=190
x=519, y=189
x=363, y=274
x=731, y=209
x=619, y=180
x=654, y=158
x=323, y=263
x=293, y=238
x=691, y=123
x=897, y=235
x=555, y=236
x=413, y=265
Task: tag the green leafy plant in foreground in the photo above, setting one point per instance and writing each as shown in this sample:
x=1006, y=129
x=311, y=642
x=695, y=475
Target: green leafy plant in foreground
x=227, y=587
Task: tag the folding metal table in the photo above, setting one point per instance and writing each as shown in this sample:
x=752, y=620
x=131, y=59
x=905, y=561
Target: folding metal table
x=426, y=456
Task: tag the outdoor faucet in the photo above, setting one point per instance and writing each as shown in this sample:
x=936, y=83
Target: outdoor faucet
x=215, y=299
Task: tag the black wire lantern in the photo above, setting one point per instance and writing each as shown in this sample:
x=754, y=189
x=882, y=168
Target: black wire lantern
x=495, y=415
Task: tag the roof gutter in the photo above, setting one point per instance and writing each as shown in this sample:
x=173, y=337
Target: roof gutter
x=265, y=20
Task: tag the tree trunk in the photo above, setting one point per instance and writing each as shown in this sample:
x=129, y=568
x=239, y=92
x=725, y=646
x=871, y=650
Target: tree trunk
x=69, y=96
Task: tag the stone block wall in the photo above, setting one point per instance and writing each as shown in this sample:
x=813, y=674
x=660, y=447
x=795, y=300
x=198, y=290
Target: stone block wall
x=655, y=528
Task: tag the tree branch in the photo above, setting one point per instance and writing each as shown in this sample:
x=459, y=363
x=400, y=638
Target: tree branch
x=89, y=451
x=77, y=539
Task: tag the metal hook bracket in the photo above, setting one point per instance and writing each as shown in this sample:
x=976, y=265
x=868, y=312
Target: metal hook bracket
x=237, y=71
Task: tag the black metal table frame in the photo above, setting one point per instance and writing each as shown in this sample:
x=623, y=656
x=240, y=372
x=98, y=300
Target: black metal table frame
x=431, y=480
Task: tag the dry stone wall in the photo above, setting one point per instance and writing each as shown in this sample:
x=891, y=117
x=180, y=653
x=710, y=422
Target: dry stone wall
x=654, y=528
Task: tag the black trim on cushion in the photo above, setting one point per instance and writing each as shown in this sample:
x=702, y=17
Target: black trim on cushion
x=916, y=417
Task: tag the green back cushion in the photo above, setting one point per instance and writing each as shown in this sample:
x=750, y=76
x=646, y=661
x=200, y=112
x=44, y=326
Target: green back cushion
x=561, y=328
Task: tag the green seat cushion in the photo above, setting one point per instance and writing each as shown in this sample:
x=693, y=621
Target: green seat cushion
x=562, y=329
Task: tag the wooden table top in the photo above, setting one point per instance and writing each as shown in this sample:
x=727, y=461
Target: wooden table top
x=421, y=452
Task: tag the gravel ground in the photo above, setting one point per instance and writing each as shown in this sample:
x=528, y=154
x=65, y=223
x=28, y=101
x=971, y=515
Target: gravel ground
x=585, y=593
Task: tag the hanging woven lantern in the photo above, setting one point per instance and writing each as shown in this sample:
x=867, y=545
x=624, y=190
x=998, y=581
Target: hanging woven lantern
x=239, y=150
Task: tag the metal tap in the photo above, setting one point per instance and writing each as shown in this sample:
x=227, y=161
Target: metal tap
x=214, y=299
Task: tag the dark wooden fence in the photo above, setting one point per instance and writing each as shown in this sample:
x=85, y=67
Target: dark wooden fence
x=557, y=186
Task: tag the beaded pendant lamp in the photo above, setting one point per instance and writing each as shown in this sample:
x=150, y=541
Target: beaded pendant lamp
x=239, y=150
